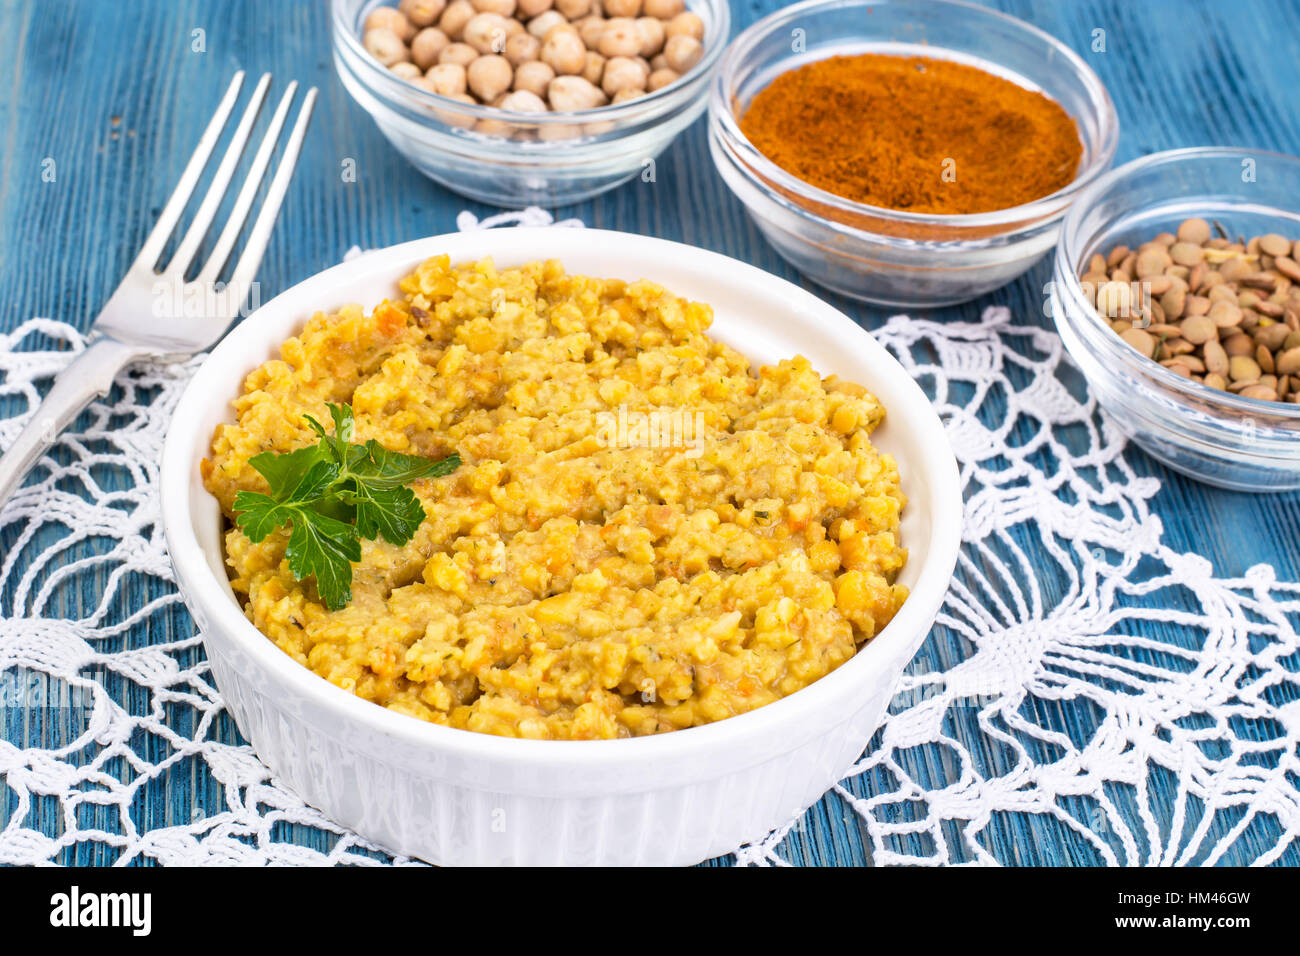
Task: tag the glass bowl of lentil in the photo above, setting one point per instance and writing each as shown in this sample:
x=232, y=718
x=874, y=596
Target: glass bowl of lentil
x=512, y=158
x=1224, y=439
x=888, y=256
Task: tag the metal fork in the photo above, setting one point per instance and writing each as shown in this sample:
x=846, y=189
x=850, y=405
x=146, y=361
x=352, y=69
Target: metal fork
x=157, y=314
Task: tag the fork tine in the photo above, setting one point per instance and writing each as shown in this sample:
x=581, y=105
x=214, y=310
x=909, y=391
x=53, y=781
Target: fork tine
x=207, y=210
x=251, y=257
x=248, y=192
x=180, y=197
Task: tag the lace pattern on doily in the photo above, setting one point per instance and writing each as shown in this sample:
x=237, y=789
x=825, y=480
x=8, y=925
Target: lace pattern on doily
x=1118, y=700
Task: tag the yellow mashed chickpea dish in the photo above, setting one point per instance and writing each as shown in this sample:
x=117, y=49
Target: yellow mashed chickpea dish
x=644, y=534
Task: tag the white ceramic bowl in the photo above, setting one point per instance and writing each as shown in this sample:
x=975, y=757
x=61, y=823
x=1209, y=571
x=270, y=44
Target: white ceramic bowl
x=452, y=796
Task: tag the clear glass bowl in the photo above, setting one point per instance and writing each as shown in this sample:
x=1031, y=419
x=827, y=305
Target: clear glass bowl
x=1217, y=437
x=517, y=159
x=883, y=255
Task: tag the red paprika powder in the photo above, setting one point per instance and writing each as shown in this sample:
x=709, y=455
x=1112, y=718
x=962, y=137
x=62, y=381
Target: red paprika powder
x=915, y=134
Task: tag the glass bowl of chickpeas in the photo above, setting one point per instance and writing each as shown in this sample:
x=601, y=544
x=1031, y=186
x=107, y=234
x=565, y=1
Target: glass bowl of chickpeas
x=519, y=102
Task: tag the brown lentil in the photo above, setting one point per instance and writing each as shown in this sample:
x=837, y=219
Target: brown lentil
x=1223, y=313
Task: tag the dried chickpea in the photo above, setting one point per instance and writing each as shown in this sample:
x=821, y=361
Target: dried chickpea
x=385, y=46
x=622, y=73
x=562, y=51
x=524, y=101
x=661, y=78
x=652, y=35
x=682, y=52
x=542, y=24
x=422, y=13
x=566, y=93
x=685, y=24
x=456, y=119
x=489, y=76
x=453, y=19
x=390, y=18
x=590, y=28
x=573, y=9
x=663, y=9
x=553, y=132
x=595, y=67
x=620, y=38
x=533, y=76
x=426, y=46
x=407, y=71
x=598, y=128
x=561, y=55
x=496, y=127
x=486, y=33
x=522, y=48
x=446, y=79
x=461, y=54
x=565, y=27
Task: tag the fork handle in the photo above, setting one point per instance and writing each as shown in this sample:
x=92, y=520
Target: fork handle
x=89, y=376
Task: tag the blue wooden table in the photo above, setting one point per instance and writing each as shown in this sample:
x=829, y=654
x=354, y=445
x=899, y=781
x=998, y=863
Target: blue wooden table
x=115, y=95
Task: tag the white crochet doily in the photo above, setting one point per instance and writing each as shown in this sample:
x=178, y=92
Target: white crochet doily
x=1100, y=696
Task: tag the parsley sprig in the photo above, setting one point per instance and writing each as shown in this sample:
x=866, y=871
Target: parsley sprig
x=333, y=494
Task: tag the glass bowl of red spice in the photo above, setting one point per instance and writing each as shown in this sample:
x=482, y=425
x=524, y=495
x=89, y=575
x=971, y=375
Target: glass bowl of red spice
x=909, y=153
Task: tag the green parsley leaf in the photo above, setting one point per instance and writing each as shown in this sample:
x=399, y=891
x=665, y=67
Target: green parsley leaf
x=333, y=494
x=284, y=472
x=325, y=548
x=394, y=513
x=257, y=515
x=344, y=422
x=390, y=469
x=316, y=426
x=313, y=484
x=336, y=446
